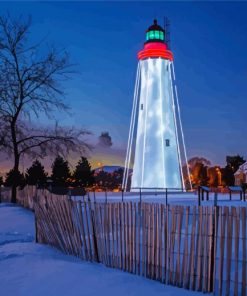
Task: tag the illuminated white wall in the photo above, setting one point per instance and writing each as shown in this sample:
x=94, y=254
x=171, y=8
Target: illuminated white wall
x=156, y=165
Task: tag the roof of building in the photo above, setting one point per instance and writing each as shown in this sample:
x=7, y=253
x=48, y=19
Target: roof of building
x=242, y=169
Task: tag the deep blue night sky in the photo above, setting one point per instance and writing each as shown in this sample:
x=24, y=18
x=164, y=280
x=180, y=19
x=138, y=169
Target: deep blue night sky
x=209, y=42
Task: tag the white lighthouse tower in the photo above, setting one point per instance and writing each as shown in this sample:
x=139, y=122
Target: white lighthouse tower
x=156, y=139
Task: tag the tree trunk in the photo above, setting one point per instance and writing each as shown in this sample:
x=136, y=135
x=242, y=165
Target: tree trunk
x=16, y=164
x=13, y=193
x=15, y=183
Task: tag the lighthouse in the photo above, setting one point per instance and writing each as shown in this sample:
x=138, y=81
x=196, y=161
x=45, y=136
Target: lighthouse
x=156, y=139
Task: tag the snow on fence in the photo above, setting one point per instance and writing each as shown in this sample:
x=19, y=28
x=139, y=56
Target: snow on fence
x=27, y=195
x=198, y=248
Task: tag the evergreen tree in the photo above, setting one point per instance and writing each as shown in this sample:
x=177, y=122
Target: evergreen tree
x=36, y=174
x=232, y=165
x=203, y=176
x=110, y=181
x=60, y=172
x=199, y=171
x=103, y=180
x=14, y=178
x=1, y=181
x=117, y=178
x=83, y=175
x=228, y=176
x=234, y=162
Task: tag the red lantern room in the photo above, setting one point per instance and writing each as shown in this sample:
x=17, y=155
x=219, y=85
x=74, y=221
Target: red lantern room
x=155, y=46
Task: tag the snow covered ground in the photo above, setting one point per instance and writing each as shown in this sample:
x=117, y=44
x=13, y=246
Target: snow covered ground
x=27, y=268
x=178, y=198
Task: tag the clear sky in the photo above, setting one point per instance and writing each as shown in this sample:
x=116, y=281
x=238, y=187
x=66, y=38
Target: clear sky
x=209, y=42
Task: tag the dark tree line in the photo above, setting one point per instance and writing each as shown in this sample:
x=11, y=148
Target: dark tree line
x=109, y=181
x=82, y=176
x=202, y=173
x=61, y=175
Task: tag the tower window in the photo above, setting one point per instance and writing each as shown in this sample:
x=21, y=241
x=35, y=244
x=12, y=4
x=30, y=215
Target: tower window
x=151, y=35
x=141, y=106
x=167, y=142
x=155, y=34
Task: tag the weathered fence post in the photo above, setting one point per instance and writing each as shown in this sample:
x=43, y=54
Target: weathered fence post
x=212, y=270
x=94, y=236
x=166, y=197
x=35, y=216
x=105, y=196
x=94, y=197
x=199, y=196
x=243, y=214
x=215, y=199
x=244, y=191
x=35, y=220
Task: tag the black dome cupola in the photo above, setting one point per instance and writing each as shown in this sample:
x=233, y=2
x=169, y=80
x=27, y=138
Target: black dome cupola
x=155, y=33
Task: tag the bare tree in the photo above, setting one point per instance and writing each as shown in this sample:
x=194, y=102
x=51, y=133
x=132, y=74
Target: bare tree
x=30, y=84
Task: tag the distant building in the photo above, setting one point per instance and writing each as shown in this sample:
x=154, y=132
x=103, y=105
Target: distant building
x=241, y=174
x=107, y=169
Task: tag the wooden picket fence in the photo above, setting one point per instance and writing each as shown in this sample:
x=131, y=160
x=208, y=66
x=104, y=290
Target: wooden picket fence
x=188, y=247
